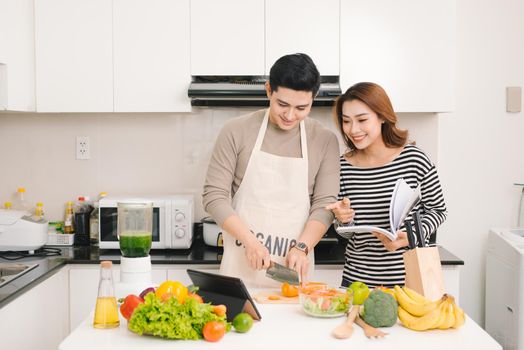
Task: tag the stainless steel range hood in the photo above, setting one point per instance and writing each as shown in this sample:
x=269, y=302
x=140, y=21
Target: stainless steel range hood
x=249, y=91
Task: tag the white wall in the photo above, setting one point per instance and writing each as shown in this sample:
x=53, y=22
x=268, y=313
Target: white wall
x=481, y=147
x=130, y=153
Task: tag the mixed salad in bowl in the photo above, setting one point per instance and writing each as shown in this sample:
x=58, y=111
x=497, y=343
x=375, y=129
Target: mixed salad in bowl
x=325, y=301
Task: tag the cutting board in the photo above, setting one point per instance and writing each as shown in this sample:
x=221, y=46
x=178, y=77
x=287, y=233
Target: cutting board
x=262, y=297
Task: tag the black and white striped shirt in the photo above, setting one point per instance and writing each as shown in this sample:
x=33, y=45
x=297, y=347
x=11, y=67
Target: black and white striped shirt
x=369, y=190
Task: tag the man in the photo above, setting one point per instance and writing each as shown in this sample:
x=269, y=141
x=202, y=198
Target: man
x=270, y=177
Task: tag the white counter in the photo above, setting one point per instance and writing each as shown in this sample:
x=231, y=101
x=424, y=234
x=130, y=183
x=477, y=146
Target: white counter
x=285, y=326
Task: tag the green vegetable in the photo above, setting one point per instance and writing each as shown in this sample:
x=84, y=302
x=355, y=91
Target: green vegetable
x=380, y=309
x=173, y=320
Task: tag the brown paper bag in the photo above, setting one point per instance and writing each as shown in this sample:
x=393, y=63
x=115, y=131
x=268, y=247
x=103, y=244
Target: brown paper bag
x=424, y=272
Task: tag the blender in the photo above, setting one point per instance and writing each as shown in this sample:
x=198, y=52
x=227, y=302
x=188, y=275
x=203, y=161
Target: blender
x=135, y=231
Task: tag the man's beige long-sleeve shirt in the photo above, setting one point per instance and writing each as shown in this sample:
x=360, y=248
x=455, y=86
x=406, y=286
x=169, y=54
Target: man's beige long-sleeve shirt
x=233, y=149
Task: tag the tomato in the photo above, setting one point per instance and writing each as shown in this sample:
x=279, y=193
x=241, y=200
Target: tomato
x=219, y=310
x=172, y=288
x=289, y=290
x=129, y=305
x=325, y=304
x=214, y=331
x=195, y=296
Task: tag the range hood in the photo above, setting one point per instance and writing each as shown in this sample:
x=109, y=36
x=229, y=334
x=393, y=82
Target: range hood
x=249, y=91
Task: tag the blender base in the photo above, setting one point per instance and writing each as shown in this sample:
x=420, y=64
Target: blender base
x=135, y=276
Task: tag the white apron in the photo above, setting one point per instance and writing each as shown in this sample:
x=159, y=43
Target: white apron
x=273, y=201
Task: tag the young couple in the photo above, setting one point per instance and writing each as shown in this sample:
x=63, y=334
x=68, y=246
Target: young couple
x=275, y=180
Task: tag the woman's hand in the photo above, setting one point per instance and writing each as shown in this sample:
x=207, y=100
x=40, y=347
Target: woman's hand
x=342, y=210
x=298, y=261
x=257, y=254
x=391, y=246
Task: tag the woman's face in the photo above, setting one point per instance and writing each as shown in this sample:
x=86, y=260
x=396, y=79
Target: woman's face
x=361, y=124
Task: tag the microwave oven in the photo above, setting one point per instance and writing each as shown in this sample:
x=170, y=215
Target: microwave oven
x=173, y=217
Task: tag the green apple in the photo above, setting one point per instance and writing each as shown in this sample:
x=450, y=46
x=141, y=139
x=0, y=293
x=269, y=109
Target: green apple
x=360, y=292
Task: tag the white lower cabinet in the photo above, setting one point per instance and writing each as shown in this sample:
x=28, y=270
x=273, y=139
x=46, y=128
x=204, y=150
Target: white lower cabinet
x=178, y=272
x=38, y=319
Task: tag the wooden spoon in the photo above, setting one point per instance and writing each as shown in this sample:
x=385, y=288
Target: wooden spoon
x=370, y=331
x=345, y=330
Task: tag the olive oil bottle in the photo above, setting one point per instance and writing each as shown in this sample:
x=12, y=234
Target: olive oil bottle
x=106, y=310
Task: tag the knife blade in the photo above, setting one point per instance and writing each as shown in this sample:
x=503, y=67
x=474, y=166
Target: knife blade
x=410, y=234
x=282, y=274
x=419, y=230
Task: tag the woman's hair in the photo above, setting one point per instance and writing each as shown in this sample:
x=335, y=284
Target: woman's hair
x=374, y=96
x=297, y=72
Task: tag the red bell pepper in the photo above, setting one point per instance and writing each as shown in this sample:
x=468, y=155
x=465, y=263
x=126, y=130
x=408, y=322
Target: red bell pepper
x=129, y=305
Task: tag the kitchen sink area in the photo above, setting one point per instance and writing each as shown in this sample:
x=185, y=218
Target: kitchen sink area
x=11, y=271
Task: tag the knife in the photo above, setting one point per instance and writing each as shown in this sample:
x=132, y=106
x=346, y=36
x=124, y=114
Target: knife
x=282, y=273
x=419, y=230
x=410, y=234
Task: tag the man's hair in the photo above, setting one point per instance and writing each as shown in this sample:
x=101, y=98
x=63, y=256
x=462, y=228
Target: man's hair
x=297, y=72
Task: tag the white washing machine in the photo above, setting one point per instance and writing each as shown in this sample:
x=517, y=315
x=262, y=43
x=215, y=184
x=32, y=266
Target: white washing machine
x=505, y=287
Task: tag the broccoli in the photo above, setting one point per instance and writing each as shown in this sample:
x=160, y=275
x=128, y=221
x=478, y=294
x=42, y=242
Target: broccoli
x=380, y=309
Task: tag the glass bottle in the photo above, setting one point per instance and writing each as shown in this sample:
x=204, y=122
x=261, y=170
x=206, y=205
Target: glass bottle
x=20, y=202
x=68, y=219
x=106, y=310
x=94, y=220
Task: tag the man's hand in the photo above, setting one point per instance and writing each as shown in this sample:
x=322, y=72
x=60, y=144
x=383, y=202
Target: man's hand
x=257, y=254
x=298, y=261
x=342, y=210
x=391, y=246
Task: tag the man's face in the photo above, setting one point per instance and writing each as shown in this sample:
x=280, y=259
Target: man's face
x=287, y=107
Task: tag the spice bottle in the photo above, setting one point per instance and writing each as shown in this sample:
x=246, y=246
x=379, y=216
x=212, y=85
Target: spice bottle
x=106, y=310
x=68, y=219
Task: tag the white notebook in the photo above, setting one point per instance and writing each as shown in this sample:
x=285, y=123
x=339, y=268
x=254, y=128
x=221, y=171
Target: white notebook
x=403, y=199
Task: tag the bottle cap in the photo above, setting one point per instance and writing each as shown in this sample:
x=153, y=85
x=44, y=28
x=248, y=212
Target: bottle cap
x=106, y=263
x=8, y=205
x=81, y=198
x=69, y=203
x=39, y=204
x=102, y=194
x=21, y=189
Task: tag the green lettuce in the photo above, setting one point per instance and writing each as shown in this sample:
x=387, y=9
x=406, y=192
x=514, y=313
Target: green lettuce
x=172, y=320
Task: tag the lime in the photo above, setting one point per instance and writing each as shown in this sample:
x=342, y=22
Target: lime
x=243, y=322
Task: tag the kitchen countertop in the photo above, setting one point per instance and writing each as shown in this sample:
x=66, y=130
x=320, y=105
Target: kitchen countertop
x=326, y=253
x=283, y=326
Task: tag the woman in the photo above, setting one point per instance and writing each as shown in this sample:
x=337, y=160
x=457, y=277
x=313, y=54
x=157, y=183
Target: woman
x=378, y=154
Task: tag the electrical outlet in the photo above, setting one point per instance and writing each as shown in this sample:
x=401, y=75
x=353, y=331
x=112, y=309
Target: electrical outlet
x=82, y=147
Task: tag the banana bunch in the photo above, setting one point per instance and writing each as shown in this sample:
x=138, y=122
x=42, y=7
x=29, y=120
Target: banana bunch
x=420, y=314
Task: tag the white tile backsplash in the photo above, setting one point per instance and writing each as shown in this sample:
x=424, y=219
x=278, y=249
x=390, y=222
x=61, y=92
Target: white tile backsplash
x=130, y=152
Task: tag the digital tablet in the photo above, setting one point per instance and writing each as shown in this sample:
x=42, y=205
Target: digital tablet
x=220, y=289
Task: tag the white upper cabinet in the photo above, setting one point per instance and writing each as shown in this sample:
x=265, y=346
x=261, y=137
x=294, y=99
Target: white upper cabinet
x=308, y=26
x=74, y=60
x=408, y=47
x=227, y=37
x=151, y=55
x=17, y=56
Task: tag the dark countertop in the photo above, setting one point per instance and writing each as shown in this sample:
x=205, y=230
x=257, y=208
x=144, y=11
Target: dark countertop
x=326, y=253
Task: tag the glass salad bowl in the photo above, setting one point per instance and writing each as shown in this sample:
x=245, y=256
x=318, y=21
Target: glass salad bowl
x=325, y=301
